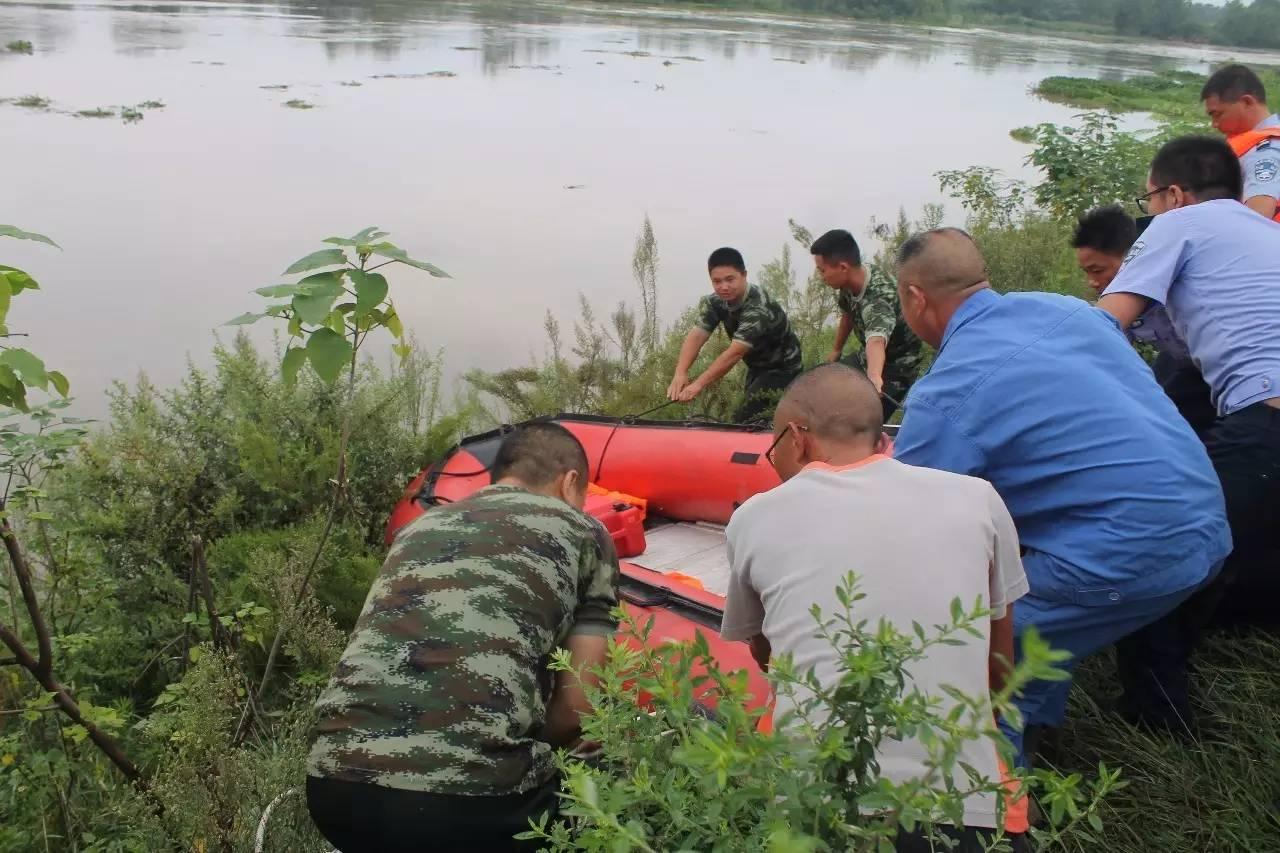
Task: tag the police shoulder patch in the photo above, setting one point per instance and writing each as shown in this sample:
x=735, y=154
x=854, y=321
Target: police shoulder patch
x=1135, y=251
x=1266, y=170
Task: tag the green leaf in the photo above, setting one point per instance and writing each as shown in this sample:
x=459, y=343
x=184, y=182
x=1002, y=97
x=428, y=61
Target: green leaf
x=367, y=234
x=294, y=358
x=395, y=253
x=371, y=289
x=393, y=324
x=370, y=233
x=275, y=291
x=18, y=279
x=62, y=386
x=315, y=298
x=318, y=260
x=26, y=365
x=40, y=516
x=6, y=295
x=295, y=326
x=18, y=234
x=329, y=353
x=244, y=320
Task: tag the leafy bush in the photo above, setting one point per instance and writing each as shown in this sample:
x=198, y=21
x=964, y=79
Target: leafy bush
x=683, y=778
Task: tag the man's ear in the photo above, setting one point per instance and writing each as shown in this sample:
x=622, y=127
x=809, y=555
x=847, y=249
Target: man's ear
x=572, y=488
x=916, y=295
x=1178, y=196
x=801, y=439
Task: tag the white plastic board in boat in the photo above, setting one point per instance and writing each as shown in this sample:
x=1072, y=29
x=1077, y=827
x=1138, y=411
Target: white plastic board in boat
x=697, y=550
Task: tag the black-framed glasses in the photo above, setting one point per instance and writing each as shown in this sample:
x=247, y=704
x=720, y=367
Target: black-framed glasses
x=1144, y=201
x=768, y=454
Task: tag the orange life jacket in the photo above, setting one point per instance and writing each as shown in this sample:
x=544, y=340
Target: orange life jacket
x=1243, y=143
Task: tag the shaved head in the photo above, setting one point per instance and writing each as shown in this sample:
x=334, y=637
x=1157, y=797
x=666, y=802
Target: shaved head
x=937, y=271
x=942, y=261
x=837, y=403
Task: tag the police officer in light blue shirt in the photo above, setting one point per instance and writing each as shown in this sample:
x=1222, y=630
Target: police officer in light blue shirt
x=1117, y=507
x=1102, y=239
x=1215, y=266
x=1236, y=102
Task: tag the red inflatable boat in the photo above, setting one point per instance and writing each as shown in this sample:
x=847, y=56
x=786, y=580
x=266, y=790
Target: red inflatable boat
x=664, y=490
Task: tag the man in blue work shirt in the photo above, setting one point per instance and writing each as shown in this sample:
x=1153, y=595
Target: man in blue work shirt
x=1117, y=507
x=1215, y=266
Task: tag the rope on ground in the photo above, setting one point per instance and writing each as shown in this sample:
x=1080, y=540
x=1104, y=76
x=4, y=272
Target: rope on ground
x=261, y=838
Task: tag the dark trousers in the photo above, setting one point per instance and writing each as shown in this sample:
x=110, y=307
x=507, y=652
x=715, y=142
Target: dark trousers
x=1244, y=448
x=763, y=390
x=360, y=818
x=964, y=841
x=1183, y=384
x=895, y=387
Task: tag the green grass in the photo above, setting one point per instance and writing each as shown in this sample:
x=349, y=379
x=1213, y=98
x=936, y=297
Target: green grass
x=1173, y=95
x=33, y=102
x=1218, y=793
x=20, y=46
x=96, y=112
x=299, y=104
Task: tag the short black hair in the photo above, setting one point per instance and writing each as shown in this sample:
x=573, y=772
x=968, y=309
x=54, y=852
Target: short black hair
x=1106, y=229
x=537, y=453
x=1204, y=165
x=1232, y=82
x=727, y=257
x=838, y=246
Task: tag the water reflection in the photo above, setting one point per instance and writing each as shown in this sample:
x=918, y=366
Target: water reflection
x=511, y=36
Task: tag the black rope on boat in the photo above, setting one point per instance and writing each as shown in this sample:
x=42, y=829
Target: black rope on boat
x=621, y=421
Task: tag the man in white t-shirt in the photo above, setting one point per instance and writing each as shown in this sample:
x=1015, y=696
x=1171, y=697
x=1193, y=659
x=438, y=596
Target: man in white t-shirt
x=916, y=539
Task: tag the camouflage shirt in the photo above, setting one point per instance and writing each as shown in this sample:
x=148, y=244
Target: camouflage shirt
x=444, y=685
x=878, y=313
x=759, y=322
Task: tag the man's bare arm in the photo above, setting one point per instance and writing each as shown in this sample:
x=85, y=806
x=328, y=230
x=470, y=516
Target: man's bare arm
x=843, y=329
x=716, y=371
x=877, y=349
x=1264, y=204
x=760, y=651
x=688, y=354
x=568, y=698
x=1000, y=658
x=1125, y=307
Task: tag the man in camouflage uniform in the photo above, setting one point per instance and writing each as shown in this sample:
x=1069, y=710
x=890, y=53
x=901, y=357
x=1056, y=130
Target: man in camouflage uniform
x=438, y=728
x=760, y=337
x=867, y=296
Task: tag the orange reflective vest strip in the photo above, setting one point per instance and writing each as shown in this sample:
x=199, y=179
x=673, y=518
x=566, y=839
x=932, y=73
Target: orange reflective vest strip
x=1243, y=143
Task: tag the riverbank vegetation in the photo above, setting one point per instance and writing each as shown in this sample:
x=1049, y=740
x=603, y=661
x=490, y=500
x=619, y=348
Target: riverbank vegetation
x=1254, y=25
x=185, y=572
x=1173, y=96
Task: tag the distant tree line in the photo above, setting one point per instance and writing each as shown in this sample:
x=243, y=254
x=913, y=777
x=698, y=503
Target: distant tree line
x=1255, y=24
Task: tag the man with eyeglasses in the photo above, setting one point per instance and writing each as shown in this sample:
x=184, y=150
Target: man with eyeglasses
x=1215, y=267
x=1102, y=239
x=939, y=536
x=1118, y=509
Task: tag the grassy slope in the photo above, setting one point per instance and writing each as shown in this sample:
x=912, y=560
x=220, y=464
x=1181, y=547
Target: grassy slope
x=1217, y=794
